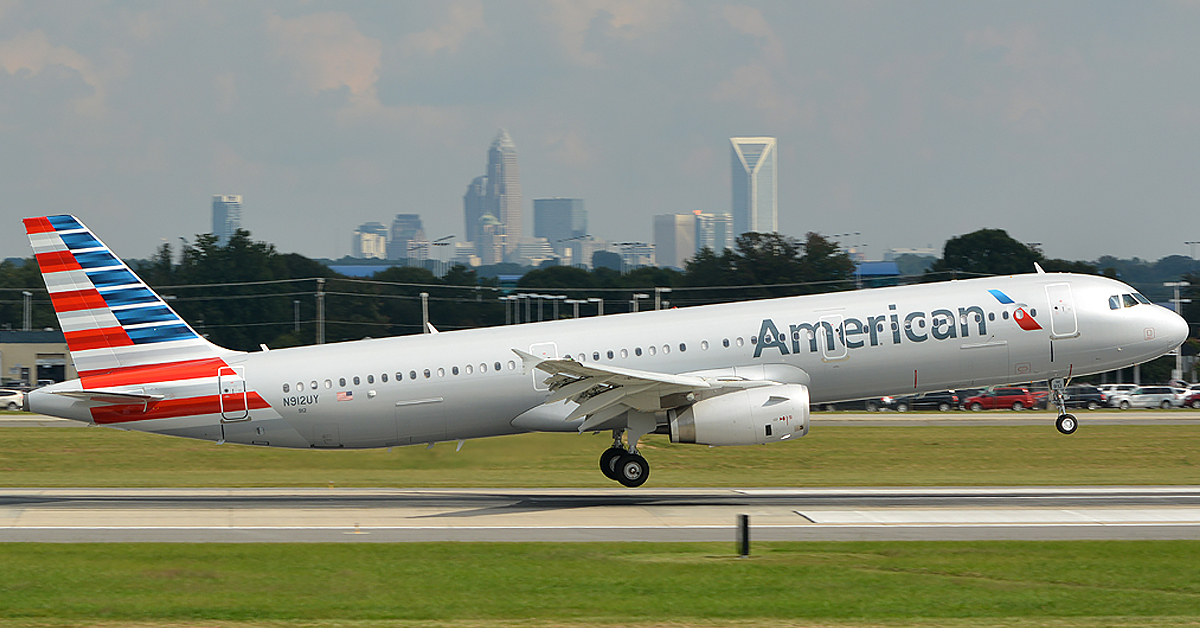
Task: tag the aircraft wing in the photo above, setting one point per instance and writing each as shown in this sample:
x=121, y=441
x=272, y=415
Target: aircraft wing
x=605, y=392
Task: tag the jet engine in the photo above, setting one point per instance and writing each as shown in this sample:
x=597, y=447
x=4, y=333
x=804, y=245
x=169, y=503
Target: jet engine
x=747, y=417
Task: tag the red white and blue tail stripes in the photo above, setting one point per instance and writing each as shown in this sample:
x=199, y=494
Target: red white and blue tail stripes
x=110, y=318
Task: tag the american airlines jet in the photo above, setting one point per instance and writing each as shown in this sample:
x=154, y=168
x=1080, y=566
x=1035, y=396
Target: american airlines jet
x=731, y=374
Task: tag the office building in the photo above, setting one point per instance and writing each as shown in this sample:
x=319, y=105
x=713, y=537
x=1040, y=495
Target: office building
x=226, y=216
x=714, y=231
x=674, y=239
x=559, y=220
x=370, y=241
x=408, y=239
x=474, y=207
x=755, y=185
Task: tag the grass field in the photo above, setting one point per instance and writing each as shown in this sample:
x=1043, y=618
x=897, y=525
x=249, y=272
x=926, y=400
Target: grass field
x=968, y=584
x=829, y=456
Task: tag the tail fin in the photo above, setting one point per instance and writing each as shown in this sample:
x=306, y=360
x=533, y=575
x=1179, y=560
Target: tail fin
x=110, y=317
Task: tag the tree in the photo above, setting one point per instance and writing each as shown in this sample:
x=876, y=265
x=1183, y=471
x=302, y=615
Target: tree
x=985, y=252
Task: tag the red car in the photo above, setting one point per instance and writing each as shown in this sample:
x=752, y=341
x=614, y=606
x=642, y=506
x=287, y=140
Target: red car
x=1015, y=398
x=1192, y=401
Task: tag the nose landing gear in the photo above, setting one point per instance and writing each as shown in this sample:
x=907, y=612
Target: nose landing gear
x=1066, y=423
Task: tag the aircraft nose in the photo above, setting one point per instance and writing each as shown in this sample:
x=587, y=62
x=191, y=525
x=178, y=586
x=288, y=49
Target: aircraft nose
x=1175, y=328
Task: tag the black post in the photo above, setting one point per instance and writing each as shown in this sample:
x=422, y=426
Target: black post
x=743, y=535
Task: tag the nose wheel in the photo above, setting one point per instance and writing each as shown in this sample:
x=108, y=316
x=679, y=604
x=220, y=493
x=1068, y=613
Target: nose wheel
x=1066, y=423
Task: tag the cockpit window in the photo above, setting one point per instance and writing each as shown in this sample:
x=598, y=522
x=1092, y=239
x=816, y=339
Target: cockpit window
x=1129, y=300
x=1140, y=298
x=1114, y=302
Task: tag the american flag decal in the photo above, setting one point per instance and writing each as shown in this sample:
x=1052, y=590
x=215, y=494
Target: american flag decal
x=347, y=395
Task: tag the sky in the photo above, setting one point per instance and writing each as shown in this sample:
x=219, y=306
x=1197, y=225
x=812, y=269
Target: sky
x=1075, y=125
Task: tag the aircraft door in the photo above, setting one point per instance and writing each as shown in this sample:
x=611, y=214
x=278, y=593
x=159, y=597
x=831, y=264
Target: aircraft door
x=232, y=386
x=542, y=350
x=1063, y=323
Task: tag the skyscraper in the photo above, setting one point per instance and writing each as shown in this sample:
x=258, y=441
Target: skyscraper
x=714, y=231
x=226, y=216
x=503, y=195
x=755, y=189
x=408, y=238
x=559, y=220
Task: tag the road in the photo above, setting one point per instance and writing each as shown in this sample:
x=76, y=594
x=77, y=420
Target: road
x=565, y=515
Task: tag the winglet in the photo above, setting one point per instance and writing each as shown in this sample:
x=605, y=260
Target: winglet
x=1039, y=268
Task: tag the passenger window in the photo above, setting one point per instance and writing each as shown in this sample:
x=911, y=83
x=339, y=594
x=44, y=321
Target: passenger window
x=483, y=367
x=595, y=356
x=1114, y=302
x=454, y=370
x=497, y=365
x=342, y=382
x=682, y=347
x=328, y=384
x=412, y=374
x=399, y=376
x=624, y=353
x=286, y=388
x=637, y=351
x=357, y=381
x=299, y=386
x=441, y=372
x=383, y=378
x=370, y=379
x=314, y=384
x=725, y=342
x=427, y=374
x=468, y=368
x=610, y=354
x=740, y=342
x=511, y=365
x=704, y=345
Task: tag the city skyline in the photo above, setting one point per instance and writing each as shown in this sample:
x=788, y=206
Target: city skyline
x=909, y=123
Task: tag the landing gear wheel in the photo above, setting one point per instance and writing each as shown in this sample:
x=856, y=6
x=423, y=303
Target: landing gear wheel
x=1066, y=424
x=632, y=470
x=608, y=462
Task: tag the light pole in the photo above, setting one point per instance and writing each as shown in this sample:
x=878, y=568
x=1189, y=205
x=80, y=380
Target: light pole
x=658, y=292
x=425, y=312
x=575, y=303
x=633, y=304
x=1178, y=372
x=320, y=311
x=296, y=309
x=556, y=298
x=599, y=305
x=28, y=308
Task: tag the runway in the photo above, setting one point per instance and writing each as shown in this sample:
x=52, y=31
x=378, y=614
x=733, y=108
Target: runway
x=572, y=515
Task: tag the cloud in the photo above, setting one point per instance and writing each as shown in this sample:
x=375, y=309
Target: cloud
x=576, y=21
x=465, y=18
x=750, y=21
x=28, y=54
x=328, y=53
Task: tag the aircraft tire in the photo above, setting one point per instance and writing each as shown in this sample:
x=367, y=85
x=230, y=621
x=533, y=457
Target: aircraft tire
x=1066, y=424
x=632, y=470
x=608, y=462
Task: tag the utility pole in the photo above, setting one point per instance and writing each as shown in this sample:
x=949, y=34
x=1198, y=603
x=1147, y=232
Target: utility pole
x=424, y=312
x=296, y=308
x=28, y=309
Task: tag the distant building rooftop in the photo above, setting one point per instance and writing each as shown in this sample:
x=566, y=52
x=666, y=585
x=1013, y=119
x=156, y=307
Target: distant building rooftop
x=39, y=337
x=878, y=269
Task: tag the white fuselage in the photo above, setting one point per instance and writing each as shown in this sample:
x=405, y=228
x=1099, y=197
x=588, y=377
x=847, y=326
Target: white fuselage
x=470, y=384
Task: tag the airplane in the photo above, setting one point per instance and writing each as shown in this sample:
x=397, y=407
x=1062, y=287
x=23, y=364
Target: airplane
x=728, y=374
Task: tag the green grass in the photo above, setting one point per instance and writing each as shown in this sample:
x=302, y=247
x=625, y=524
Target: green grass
x=980, y=583
x=829, y=456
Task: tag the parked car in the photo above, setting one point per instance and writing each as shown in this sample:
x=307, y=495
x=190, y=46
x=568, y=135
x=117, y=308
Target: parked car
x=11, y=399
x=1083, y=396
x=943, y=401
x=1109, y=390
x=1015, y=398
x=1146, y=397
x=873, y=404
x=1192, y=400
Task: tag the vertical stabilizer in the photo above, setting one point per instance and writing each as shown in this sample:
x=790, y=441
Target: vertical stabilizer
x=110, y=317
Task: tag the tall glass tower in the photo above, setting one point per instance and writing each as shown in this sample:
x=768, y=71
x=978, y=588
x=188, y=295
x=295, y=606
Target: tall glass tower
x=226, y=216
x=503, y=195
x=755, y=189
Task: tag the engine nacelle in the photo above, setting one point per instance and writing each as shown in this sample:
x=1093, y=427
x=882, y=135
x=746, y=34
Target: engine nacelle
x=746, y=417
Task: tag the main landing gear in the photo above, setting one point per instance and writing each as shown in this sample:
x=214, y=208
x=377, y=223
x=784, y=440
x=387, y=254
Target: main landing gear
x=1066, y=423
x=625, y=466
